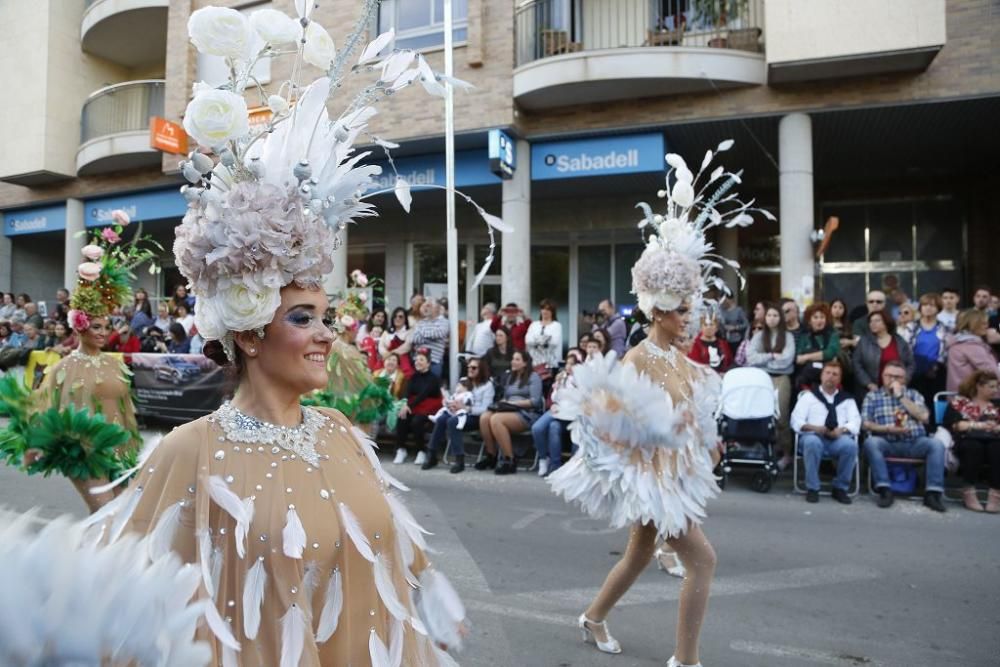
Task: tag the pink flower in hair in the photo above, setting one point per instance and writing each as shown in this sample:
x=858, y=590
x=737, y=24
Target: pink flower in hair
x=78, y=320
x=110, y=235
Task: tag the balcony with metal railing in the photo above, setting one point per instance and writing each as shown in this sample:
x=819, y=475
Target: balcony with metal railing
x=131, y=33
x=114, y=127
x=582, y=51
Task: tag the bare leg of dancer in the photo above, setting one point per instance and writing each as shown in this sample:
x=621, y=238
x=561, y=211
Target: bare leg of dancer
x=638, y=553
x=699, y=560
x=94, y=501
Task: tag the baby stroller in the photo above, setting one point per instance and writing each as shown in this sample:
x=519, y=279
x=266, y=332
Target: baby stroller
x=748, y=411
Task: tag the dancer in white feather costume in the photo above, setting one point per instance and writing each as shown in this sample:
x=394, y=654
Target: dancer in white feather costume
x=645, y=427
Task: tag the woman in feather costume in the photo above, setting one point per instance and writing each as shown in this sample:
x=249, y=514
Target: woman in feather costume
x=645, y=428
x=307, y=556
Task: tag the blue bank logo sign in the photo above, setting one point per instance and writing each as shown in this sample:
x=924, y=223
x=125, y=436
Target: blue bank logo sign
x=605, y=156
x=35, y=220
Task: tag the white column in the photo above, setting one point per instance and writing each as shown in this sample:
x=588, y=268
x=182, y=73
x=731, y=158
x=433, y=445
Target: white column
x=515, y=253
x=6, y=264
x=74, y=243
x=395, y=275
x=335, y=282
x=471, y=295
x=796, y=199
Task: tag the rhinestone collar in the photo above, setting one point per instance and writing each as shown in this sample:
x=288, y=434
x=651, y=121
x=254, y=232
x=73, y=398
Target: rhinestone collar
x=92, y=360
x=669, y=355
x=300, y=440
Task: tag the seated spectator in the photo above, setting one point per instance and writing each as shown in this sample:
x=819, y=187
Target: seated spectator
x=377, y=318
x=182, y=298
x=390, y=369
x=179, y=343
x=894, y=417
x=431, y=332
x=499, y=356
x=828, y=423
x=19, y=312
x=7, y=306
x=423, y=399
x=49, y=330
x=592, y=347
x=479, y=340
x=184, y=317
x=461, y=414
x=709, y=349
x=153, y=341
x=64, y=340
x=967, y=350
x=926, y=337
x=142, y=311
x=416, y=308
x=32, y=317
x=396, y=339
x=519, y=405
x=879, y=345
x=639, y=330
x=773, y=349
x=818, y=344
x=740, y=358
x=514, y=320
x=974, y=419
x=124, y=340
x=549, y=430
x=33, y=338
x=603, y=338
x=369, y=346
x=163, y=319
x=4, y=332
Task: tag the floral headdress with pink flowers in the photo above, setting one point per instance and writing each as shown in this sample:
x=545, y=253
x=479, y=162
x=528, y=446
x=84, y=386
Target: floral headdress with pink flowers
x=678, y=263
x=268, y=212
x=104, y=280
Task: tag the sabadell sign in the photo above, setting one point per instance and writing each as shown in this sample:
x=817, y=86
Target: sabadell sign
x=603, y=156
x=34, y=220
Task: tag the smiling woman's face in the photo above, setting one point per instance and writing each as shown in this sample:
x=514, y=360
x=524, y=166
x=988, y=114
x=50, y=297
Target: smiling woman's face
x=296, y=344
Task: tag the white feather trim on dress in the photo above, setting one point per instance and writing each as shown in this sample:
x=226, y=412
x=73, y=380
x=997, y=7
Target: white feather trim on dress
x=440, y=608
x=293, y=536
x=329, y=618
x=253, y=598
x=636, y=461
x=293, y=636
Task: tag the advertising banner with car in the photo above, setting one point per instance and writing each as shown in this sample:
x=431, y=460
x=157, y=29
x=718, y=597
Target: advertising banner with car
x=176, y=387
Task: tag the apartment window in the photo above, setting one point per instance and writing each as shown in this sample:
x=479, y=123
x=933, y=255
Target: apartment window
x=419, y=24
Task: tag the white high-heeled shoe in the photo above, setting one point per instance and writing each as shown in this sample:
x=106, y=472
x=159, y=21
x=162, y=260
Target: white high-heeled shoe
x=609, y=646
x=675, y=570
x=674, y=663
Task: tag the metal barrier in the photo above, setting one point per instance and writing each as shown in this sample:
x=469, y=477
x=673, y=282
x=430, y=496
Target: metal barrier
x=545, y=28
x=122, y=107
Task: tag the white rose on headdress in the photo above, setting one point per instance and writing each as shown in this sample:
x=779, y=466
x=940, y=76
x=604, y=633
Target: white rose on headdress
x=319, y=49
x=243, y=309
x=208, y=320
x=275, y=27
x=214, y=117
x=219, y=31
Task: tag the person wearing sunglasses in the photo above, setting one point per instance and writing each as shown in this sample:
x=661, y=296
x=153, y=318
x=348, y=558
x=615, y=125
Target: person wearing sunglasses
x=875, y=303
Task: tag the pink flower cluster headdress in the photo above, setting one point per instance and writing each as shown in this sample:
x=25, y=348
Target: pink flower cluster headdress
x=678, y=263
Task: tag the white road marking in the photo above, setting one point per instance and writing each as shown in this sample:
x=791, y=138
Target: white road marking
x=532, y=516
x=806, y=654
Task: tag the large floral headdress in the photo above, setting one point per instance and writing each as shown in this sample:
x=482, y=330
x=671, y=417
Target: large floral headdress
x=104, y=278
x=267, y=214
x=678, y=263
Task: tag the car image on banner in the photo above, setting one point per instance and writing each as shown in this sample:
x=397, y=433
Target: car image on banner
x=176, y=387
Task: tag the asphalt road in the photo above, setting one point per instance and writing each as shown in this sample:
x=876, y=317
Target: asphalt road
x=797, y=584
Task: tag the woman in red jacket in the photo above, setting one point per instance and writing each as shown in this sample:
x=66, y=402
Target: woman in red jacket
x=709, y=349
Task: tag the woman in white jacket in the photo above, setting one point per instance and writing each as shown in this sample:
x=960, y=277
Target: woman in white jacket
x=544, y=338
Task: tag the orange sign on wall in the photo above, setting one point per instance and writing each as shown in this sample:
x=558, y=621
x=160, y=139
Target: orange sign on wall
x=166, y=136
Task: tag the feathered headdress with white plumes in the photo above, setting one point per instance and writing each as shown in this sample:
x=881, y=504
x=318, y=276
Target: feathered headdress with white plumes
x=268, y=212
x=68, y=602
x=678, y=262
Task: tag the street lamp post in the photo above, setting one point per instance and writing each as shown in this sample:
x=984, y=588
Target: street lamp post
x=449, y=167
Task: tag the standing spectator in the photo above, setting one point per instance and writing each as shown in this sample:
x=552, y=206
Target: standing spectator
x=181, y=298
x=828, y=423
x=981, y=300
x=639, y=330
x=926, y=337
x=512, y=317
x=544, y=340
x=759, y=309
x=733, y=319
x=906, y=314
x=614, y=324
x=32, y=317
x=519, y=406
x=423, y=399
x=773, y=349
x=898, y=298
x=818, y=345
x=390, y=369
x=124, y=340
x=709, y=349
x=549, y=430
x=875, y=303
x=498, y=358
x=142, y=311
x=894, y=417
x=452, y=425
x=876, y=348
x=740, y=358
x=975, y=420
x=7, y=307
x=183, y=316
x=416, y=306
x=967, y=351
x=377, y=318
x=65, y=340
x=949, y=308
x=163, y=319
x=179, y=342
x=396, y=339
x=793, y=325
x=480, y=339
x=840, y=324
x=431, y=332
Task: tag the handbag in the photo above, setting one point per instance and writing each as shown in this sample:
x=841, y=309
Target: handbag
x=503, y=406
x=902, y=478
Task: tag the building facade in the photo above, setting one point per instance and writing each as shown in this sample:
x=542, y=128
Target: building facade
x=877, y=112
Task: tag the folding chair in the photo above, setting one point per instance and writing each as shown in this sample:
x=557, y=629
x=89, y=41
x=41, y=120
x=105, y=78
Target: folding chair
x=799, y=483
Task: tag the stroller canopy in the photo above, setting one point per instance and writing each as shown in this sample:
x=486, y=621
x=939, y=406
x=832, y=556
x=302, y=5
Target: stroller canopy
x=748, y=393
